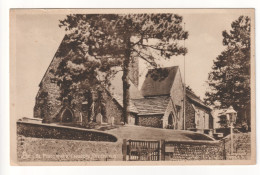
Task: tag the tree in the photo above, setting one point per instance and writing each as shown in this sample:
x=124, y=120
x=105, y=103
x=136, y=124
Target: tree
x=229, y=80
x=223, y=122
x=114, y=40
x=189, y=89
x=78, y=78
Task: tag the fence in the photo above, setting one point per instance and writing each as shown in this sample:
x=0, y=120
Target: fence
x=143, y=150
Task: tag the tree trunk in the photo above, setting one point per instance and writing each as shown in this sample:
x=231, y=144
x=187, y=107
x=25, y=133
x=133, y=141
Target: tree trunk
x=89, y=105
x=125, y=79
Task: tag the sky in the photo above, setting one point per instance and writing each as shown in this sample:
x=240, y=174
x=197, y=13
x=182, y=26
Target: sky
x=38, y=36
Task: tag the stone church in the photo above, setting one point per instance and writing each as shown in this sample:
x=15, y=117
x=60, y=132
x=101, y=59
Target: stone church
x=51, y=109
x=159, y=103
x=163, y=103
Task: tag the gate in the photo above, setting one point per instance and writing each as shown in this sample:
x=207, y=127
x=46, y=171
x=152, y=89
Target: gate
x=140, y=150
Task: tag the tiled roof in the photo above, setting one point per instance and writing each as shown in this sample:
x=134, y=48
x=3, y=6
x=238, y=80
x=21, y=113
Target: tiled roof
x=119, y=99
x=152, y=105
x=155, y=85
x=196, y=99
x=117, y=87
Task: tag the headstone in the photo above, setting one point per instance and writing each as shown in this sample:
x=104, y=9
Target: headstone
x=99, y=118
x=112, y=121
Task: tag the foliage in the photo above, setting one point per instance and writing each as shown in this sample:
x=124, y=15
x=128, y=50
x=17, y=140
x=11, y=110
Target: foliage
x=223, y=121
x=158, y=74
x=104, y=44
x=189, y=89
x=229, y=80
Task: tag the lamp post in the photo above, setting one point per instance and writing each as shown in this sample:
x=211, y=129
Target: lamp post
x=231, y=117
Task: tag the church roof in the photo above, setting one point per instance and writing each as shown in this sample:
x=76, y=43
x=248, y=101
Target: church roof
x=119, y=99
x=194, y=98
x=155, y=85
x=116, y=91
x=152, y=105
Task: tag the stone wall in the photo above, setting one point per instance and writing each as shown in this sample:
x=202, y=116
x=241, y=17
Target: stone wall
x=210, y=150
x=190, y=115
x=38, y=149
x=47, y=106
x=150, y=121
x=193, y=150
x=241, y=146
x=61, y=132
x=112, y=109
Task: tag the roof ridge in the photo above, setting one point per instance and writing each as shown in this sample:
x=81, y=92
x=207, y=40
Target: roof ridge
x=193, y=93
x=163, y=67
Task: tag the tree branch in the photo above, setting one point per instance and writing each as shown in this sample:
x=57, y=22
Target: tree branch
x=145, y=59
x=152, y=47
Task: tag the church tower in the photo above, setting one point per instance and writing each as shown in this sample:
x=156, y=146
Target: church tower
x=134, y=71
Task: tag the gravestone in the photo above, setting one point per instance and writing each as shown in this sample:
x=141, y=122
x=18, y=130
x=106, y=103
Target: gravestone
x=99, y=118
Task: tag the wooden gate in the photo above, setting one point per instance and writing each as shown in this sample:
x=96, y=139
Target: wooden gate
x=140, y=150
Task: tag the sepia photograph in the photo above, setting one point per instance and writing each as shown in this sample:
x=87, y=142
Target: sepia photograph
x=132, y=86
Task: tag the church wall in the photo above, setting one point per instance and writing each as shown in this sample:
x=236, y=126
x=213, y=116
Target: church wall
x=166, y=114
x=199, y=118
x=177, y=96
x=190, y=115
x=47, y=107
x=113, y=111
x=154, y=121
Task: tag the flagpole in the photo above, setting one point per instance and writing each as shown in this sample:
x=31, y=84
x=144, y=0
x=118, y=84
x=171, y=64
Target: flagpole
x=184, y=90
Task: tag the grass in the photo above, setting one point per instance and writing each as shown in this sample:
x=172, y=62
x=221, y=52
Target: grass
x=148, y=133
x=92, y=125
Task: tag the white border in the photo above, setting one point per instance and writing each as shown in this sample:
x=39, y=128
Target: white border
x=5, y=167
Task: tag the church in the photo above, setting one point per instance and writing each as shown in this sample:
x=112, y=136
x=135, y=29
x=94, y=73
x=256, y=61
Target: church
x=159, y=103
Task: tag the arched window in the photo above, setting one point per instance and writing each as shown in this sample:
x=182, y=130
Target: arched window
x=170, y=119
x=66, y=116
